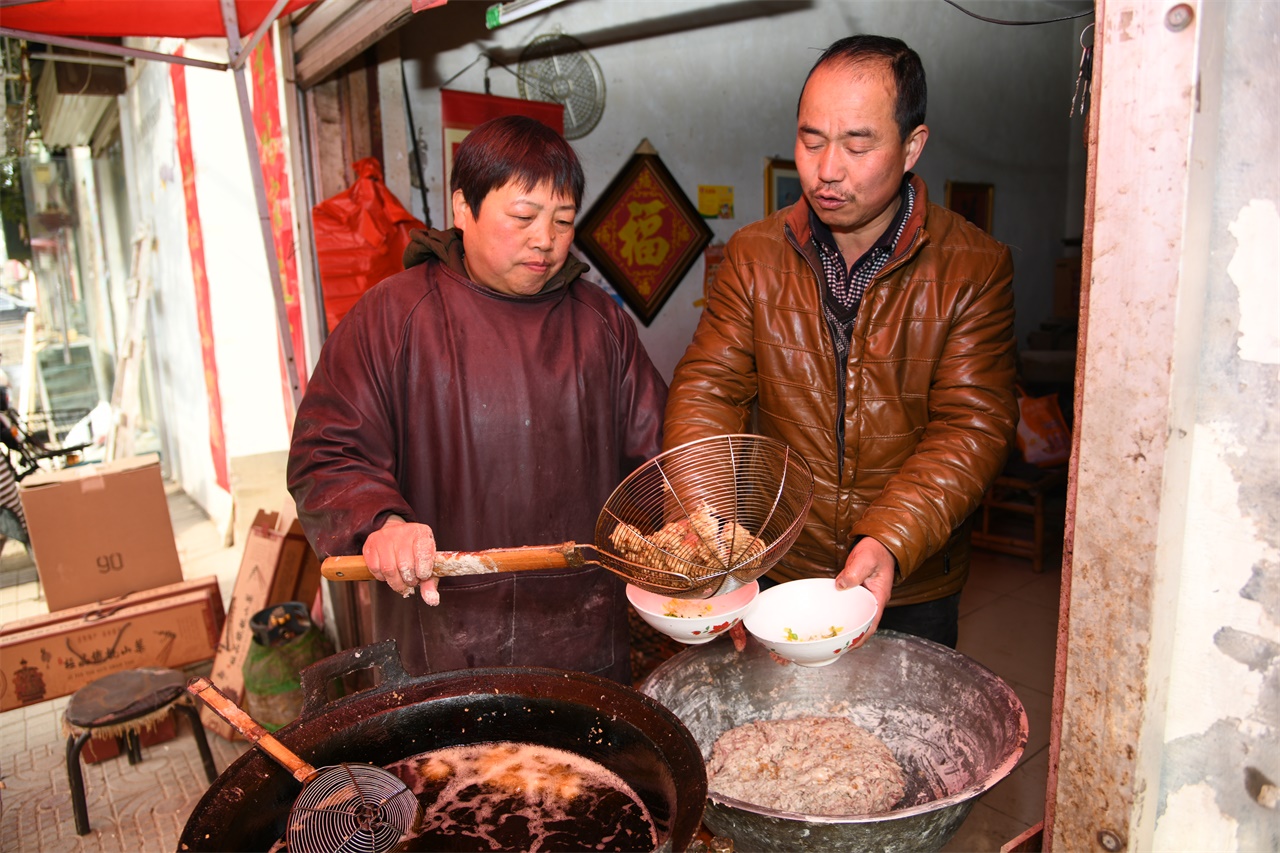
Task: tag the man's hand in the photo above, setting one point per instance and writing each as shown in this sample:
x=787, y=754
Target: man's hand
x=870, y=564
x=403, y=555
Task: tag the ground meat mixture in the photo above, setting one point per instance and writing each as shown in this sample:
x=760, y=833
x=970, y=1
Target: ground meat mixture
x=810, y=765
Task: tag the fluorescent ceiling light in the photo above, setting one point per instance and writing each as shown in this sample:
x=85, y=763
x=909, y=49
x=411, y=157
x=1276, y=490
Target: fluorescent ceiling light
x=504, y=13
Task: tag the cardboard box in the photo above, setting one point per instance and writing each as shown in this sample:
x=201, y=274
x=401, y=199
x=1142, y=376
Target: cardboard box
x=278, y=565
x=97, y=611
x=58, y=659
x=100, y=531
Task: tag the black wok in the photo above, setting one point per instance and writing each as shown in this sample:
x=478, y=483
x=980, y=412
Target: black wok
x=247, y=807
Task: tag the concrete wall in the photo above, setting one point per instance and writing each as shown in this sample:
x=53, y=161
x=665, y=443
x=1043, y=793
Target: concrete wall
x=716, y=101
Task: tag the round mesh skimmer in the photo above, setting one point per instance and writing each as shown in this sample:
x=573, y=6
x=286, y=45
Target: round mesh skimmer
x=346, y=808
x=700, y=520
x=706, y=517
x=351, y=808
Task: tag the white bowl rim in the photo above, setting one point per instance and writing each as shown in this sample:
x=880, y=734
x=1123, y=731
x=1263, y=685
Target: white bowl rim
x=754, y=586
x=860, y=591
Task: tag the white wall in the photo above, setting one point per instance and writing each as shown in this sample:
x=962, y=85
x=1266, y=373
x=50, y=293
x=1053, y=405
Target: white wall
x=1222, y=735
x=246, y=343
x=717, y=101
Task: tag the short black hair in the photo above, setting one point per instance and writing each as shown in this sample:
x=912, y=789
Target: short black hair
x=908, y=73
x=514, y=148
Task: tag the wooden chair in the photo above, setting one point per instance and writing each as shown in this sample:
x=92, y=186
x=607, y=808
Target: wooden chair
x=1019, y=491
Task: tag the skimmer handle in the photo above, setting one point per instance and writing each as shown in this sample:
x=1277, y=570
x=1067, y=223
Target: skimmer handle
x=566, y=555
x=207, y=692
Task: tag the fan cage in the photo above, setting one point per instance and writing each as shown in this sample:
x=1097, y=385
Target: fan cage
x=351, y=808
x=557, y=67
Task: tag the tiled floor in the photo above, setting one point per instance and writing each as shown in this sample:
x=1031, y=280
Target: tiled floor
x=1008, y=623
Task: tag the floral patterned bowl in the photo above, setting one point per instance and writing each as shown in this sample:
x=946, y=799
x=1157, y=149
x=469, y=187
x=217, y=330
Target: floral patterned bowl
x=809, y=622
x=693, y=621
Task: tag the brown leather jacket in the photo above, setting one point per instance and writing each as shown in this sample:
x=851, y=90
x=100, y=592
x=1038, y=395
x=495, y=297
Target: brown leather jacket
x=906, y=438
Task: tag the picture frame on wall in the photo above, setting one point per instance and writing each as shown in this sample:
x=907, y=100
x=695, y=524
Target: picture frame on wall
x=781, y=184
x=975, y=202
x=643, y=233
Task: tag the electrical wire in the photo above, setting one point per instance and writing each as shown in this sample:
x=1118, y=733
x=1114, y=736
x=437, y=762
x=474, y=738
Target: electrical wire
x=464, y=70
x=1015, y=23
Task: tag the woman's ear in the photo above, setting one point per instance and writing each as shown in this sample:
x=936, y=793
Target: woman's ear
x=461, y=211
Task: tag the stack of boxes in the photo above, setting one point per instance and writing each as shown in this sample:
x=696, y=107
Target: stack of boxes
x=104, y=548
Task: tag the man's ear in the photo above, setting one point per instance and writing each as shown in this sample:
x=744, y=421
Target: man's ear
x=460, y=207
x=914, y=145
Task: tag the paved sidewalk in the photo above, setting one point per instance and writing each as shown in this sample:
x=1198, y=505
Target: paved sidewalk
x=140, y=807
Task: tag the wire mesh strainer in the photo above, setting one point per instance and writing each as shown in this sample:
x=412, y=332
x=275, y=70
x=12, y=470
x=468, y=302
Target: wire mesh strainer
x=346, y=808
x=706, y=517
x=700, y=520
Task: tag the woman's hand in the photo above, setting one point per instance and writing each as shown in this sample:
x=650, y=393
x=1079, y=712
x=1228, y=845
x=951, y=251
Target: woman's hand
x=403, y=555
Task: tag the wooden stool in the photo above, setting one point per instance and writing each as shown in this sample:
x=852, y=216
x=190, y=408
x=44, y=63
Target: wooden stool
x=1021, y=490
x=121, y=705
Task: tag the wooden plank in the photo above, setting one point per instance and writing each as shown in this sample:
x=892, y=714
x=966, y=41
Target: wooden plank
x=356, y=117
x=359, y=29
x=327, y=144
x=1141, y=321
x=318, y=19
x=314, y=327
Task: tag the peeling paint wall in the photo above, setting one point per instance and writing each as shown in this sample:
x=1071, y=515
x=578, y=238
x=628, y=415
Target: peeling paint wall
x=1221, y=763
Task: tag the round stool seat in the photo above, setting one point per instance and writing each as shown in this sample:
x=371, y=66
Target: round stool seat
x=123, y=705
x=123, y=697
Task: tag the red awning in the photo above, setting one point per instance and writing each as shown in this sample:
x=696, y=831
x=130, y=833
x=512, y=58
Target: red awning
x=122, y=18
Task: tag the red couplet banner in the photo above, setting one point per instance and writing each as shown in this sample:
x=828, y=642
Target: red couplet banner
x=275, y=174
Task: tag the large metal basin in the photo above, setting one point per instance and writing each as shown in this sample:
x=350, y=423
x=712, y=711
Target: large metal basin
x=955, y=727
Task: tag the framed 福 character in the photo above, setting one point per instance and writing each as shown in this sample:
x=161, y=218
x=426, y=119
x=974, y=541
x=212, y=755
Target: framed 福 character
x=781, y=184
x=972, y=201
x=643, y=233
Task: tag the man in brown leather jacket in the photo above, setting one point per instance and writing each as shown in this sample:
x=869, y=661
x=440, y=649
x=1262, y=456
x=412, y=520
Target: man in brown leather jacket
x=488, y=396
x=873, y=332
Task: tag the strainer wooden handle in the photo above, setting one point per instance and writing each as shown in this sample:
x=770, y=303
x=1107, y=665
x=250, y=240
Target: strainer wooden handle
x=207, y=692
x=566, y=555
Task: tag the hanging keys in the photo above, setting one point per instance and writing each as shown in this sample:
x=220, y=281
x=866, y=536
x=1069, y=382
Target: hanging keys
x=1084, y=77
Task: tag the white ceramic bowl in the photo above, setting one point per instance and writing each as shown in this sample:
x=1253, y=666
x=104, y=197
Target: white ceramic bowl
x=692, y=621
x=809, y=621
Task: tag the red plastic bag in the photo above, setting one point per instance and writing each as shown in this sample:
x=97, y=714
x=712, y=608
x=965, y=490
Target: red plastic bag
x=1043, y=435
x=361, y=234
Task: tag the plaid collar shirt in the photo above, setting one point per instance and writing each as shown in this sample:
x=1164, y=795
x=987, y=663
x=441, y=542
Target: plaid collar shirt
x=843, y=287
